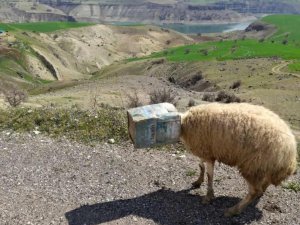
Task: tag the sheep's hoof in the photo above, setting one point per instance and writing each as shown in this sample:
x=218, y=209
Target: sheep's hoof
x=196, y=184
x=207, y=199
x=233, y=211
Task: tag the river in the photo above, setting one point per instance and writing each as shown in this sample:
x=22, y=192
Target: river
x=196, y=28
x=207, y=28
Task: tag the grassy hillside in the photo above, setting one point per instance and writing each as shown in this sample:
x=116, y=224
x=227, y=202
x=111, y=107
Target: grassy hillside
x=13, y=69
x=42, y=26
x=294, y=67
x=288, y=28
x=285, y=43
x=227, y=50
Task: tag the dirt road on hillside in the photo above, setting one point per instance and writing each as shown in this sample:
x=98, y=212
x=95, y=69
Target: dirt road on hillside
x=45, y=181
x=278, y=69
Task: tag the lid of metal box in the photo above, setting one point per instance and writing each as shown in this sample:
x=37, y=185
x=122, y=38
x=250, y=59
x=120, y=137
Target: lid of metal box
x=152, y=111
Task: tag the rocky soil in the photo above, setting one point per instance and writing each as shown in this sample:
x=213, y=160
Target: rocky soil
x=46, y=181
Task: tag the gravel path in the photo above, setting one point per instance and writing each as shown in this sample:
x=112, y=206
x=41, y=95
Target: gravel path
x=46, y=181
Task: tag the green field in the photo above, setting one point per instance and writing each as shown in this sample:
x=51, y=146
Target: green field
x=226, y=50
x=294, y=67
x=288, y=28
x=42, y=26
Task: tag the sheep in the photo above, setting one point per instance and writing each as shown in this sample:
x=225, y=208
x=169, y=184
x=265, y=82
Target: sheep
x=249, y=137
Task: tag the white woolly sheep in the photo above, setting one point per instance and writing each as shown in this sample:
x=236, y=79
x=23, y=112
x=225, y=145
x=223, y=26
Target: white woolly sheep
x=252, y=138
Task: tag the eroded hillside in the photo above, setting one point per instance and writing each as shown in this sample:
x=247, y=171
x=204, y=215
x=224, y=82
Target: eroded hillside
x=147, y=11
x=75, y=54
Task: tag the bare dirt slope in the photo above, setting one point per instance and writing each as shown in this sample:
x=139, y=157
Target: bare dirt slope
x=45, y=181
x=76, y=53
x=259, y=84
x=114, y=91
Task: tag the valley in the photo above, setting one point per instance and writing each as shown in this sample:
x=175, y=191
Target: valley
x=65, y=66
x=69, y=70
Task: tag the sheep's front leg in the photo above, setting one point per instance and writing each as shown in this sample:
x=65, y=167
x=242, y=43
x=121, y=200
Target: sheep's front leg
x=210, y=177
x=200, y=180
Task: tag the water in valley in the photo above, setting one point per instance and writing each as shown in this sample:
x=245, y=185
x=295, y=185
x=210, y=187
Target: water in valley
x=207, y=28
x=196, y=28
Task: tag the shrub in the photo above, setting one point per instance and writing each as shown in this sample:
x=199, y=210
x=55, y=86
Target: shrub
x=284, y=41
x=133, y=100
x=204, y=52
x=191, y=102
x=187, y=51
x=172, y=80
x=75, y=124
x=162, y=95
x=14, y=96
x=235, y=84
x=226, y=97
x=208, y=97
x=195, y=78
x=157, y=62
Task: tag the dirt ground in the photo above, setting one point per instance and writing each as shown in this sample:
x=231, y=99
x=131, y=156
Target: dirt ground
x=114, y=91
x=259, y=85
x=46, y=181
x=76, y=53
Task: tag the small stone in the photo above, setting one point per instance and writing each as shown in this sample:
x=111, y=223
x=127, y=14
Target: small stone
x=111, y=141
x=36, y=132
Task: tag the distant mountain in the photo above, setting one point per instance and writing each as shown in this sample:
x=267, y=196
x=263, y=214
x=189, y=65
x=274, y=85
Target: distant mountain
x=148, y=11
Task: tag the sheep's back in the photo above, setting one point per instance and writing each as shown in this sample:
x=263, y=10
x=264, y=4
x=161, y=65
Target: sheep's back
x=250, y=137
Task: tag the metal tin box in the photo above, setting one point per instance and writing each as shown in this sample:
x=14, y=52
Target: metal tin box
x=154, y=125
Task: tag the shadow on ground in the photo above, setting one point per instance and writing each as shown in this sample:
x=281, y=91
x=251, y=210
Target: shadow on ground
x=165, y=207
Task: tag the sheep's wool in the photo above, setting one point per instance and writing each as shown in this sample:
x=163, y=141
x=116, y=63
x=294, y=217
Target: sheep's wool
x=250, y=137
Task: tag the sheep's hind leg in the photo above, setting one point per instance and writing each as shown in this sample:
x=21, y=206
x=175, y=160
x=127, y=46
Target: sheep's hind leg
x=210, y=177
x=200, y=180
x=253, y=193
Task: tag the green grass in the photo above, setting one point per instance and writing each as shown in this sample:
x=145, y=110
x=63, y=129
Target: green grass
x=75, y=124
x=228, y=50
x=42, y=26
x=14, y=68
x=294, y=186
x=52, y=86
x=294, y=67
x=288, y=28
x=190, y=173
